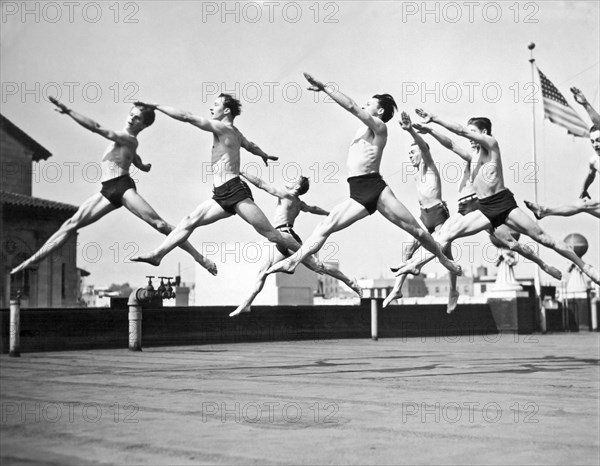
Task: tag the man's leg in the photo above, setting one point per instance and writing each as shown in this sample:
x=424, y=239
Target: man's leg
x=339, y=275
x=407, y=254
x=518, y=220
x=504, y=236
x=392, y=209
x=341, y=216
x=140, y=207
x=453, y=294
x=457, y=226
x=90, y=211
x=566, y=210
x=206, y=213
x=261, y=278
x=252, y=214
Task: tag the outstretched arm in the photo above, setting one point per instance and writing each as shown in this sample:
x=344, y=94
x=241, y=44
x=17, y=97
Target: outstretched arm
x=375, y=124
x=313, y=209
x=484, y=140
x=137, y=162
x=587, y=183
x=88, y=123
x=406, y=125
x=260, y=183
x=187, y=117
x=581, y=100
x=444, y=141
x=254, y=149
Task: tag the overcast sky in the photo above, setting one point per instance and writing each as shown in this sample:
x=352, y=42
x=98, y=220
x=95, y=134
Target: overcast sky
x=455, y=59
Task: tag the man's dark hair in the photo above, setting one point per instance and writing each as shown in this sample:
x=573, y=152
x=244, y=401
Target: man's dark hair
x=230, y=102
x=594, y=127
x=388, y=104
x=148, y=115
x=304, y=185
x=481, y=123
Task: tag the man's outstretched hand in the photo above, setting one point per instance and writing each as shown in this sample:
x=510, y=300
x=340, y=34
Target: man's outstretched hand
x=427, y=117
x=266, y=158
x=578, y=96
x=139, y=103
x=62, y=108
x=405, y=122
x=315, y=85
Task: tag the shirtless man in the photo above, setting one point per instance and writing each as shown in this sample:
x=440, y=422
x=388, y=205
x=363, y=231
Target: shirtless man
x=585, y=202
x=501, y=237
x=497, y=205
x=118, y=189
x=368, y=191
x=434, y=211
x=231, y=194
x=289, y=206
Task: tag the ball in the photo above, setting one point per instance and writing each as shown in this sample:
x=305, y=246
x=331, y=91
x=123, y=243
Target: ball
x=578, y=243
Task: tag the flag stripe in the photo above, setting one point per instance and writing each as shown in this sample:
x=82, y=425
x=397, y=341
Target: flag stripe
x=553, y=108
x=558, y=110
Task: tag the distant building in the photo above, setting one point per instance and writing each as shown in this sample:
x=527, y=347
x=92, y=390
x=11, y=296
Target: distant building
x=98, y=297
x=238, y=265
x=440, y=286
x=26, y=223
x=327, y=286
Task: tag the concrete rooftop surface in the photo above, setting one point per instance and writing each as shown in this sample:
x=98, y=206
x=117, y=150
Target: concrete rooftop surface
x=483, y=399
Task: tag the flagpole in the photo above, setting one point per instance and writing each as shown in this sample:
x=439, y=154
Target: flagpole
x=537, y=278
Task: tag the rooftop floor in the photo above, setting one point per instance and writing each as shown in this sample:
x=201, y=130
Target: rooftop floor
x=494, y=399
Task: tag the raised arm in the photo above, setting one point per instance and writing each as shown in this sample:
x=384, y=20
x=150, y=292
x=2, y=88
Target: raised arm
x=406, y=125
x=137, y=162
x=588, y=182
x=313, y=209
x=375, y=124
x=260, y=183
x=581, y=100
x=94, y=127
x=254, y=149
x=187, y=117
x=444, y=141
x=488, y=142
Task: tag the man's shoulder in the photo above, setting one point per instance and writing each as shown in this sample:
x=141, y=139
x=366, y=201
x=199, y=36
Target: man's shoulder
x=127, y=137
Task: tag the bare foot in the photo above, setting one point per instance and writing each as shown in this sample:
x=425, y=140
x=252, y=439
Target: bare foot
x=407, y=269
x=355, y=287
x=284, y=266
x=319, y=267
x=592, y=273
x=18, y=268
x=210, y=266
x=452, y=301
x=552, y=271
x=394, y=294
x=452, y=266
x=536, y=209
x=148, y=258
x=239, y=310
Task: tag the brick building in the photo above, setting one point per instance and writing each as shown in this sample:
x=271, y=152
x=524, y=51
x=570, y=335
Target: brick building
x=26, y=222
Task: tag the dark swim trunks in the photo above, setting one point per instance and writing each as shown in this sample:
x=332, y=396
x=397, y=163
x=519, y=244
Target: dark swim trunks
x=114, y=189
x=228, y=195
x=434, y=216
x=287, y=228
x=468, y=204
x=497, y=207
x=366, y=189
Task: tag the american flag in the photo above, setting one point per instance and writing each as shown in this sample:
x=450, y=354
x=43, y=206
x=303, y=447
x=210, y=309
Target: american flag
x=558, y=110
